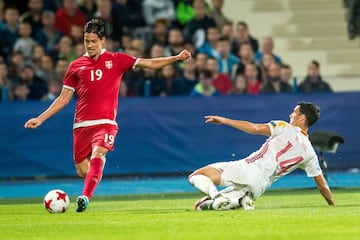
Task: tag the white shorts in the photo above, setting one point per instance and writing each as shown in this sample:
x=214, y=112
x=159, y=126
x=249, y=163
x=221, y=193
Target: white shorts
x=242, y=175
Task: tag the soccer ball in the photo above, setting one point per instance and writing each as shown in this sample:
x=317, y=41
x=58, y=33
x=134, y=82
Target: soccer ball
x=56, y=201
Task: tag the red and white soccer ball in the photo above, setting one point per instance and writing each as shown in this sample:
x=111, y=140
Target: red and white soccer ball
x=56, y=201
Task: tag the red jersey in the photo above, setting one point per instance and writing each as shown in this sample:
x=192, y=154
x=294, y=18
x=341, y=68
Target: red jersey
x=96, y=83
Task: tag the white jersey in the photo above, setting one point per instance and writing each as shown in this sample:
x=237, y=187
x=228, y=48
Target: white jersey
x=287, y=149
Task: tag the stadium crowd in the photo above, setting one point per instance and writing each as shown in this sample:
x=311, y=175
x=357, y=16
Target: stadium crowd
x=39, y=40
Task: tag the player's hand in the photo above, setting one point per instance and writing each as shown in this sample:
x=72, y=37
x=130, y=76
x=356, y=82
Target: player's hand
x=214, y=119
x=184, y=54
x=33, y=123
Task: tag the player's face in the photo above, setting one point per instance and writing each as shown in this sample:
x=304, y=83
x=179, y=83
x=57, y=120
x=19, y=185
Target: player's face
x=93, y=44
x=295, y=116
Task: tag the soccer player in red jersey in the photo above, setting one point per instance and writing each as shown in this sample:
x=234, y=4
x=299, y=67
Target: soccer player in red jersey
x=95, y=77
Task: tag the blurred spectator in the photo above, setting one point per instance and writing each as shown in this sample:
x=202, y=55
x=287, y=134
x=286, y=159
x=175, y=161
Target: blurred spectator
x=175, y=42
x=125, y=41
x=164, y=84
x=9, y=31
x=21, y=92
x=16, y=61
x=242, y=35
x=204, y=88
x=37, y=52
x=273, y=84
x=47, y=68
x=212, y=37
x=25, y=43
x=227, y=31
x=77, y=34
x=65, y=49
x=222, y=82
x=138, y=45
x=227, y=60
x=313, y=82
x=200, y=62
x=161, y=27
x=157, y=50
x=30, y=87
x=87, y=7
x=353, y=18
x=246, y=55
x=5, y=83
x=286, y=74
x=54, y=89
x=33, y=15
x=187, y=78
x=61, y=68
x=109, y=16
x=267, y=47
x=264, y=65
x=195, y=30
x=158, y=9
x=79, y=49
x=252, y=80
x=69, y=17
x=135, y=78
x=159, y=34
x=109, y=45
x=217, y=14
x=48, y=35
x=240, y=86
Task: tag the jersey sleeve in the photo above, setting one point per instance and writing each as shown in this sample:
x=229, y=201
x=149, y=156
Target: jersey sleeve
x=127, y=61
x=70, y=78
x=277, y=127
x=313, y=169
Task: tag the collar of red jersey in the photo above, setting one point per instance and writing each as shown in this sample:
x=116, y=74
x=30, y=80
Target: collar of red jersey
x=102, y=51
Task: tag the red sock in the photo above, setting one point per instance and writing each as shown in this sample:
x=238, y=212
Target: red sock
x=93, y=177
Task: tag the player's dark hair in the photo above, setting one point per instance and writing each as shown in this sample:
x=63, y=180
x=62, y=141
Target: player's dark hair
x=311, y=111
x=95, y=25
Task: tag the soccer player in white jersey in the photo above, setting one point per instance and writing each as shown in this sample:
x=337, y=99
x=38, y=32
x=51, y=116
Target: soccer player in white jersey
x=287, y=148
x=95, y=77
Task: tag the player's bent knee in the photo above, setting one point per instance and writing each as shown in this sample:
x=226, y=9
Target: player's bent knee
x=99, y=152
x=97, y=155
x=81, y=172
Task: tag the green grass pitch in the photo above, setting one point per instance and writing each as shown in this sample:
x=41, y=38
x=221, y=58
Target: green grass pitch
x=280, y=214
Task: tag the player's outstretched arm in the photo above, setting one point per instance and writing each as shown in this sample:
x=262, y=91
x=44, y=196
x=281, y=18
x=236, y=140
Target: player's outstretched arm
x=156, y=63
x=245, y=126
x=324, y=189
x=59, y=103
